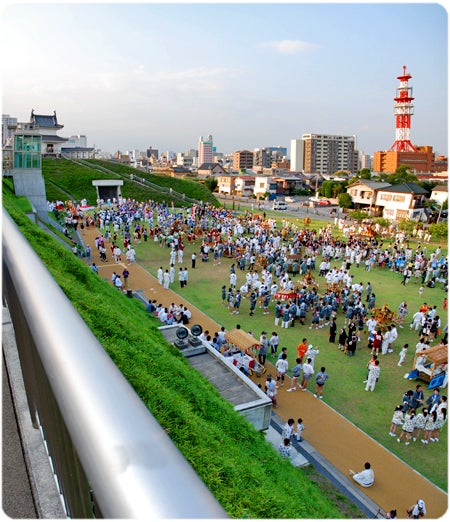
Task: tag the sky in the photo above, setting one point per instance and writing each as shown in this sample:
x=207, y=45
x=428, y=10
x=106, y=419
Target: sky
x=251, y=74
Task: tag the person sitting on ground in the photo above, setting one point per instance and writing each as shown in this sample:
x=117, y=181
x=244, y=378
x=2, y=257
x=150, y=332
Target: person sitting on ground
x=364, y=478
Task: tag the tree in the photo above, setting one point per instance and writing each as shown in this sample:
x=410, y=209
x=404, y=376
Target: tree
x=345, y=200
x=327, y=189
x=439, y=229
x=338, y=187
x=211, y=183
x=403, y=174
x=365, y=174
x=407, y=225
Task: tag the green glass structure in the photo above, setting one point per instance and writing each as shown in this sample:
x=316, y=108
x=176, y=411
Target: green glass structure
x=27, y=151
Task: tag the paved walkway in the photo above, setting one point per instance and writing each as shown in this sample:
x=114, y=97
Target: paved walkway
x=397, y=485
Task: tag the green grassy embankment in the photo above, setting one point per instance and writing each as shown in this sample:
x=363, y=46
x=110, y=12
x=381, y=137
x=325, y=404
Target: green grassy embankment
x=66, y=179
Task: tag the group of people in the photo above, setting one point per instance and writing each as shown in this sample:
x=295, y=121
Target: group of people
x=414, y=423
x=264, y=254
x=173, y=314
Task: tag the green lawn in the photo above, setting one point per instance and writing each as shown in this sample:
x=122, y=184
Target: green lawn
x=344, y=391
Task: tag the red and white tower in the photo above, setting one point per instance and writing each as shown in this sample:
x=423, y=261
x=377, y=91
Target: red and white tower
x=403, y=110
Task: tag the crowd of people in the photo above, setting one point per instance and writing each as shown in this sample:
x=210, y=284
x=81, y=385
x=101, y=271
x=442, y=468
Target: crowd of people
x=267, y=259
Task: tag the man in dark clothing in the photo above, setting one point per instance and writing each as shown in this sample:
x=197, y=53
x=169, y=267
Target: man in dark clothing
x=418, y=398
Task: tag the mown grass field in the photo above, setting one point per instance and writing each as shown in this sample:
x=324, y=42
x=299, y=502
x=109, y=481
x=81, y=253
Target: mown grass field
x=372, y=412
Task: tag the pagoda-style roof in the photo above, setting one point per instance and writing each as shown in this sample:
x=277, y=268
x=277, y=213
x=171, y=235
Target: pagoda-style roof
x=53, y=138
x=44, y=120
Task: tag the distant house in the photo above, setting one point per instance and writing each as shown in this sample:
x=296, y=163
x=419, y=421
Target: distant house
x=440, y=193
x=263, y=185
x=210, y=169
x=287, y=185
x=244, y=186
x=226, y=184
x=402, y=202
x=364, y=193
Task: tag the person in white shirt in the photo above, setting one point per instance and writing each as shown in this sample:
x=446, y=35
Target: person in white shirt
x=282, y=366
x=364, y=478
x=418, y=319
x=374, y=374
x=417, y=510
x=308, y=371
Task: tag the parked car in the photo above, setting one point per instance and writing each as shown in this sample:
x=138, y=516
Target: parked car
x=289, y=200
x=320, y=201
x=279, y=205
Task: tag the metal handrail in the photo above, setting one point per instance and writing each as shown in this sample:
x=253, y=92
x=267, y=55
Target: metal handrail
x=133, y=469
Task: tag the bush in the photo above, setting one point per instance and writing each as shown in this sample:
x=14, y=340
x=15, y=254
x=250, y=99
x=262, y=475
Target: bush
x=359, y=215
x=407, y=225
x=345, y=200
x=384, y=222
x=439, y=230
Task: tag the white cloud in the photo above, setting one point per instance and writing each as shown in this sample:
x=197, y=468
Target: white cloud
x=288, y=46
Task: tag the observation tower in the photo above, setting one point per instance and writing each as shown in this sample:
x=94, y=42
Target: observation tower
x=403, y=110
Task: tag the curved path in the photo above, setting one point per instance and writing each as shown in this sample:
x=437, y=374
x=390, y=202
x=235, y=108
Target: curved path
x=397, y=485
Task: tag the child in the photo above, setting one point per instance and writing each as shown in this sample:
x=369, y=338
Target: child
x=430, y=425
x=285, y=448
x=421, y=289
x=271, y=390
x=295, y=374
x=403, y=354
x=421, y=420
x=397, y=420
x=224, y=294
x=299, y=430
x=408, y=427
x=288, y=429
x=282, y=366
x=342, y=339
x=274, y=342
x=440, y=421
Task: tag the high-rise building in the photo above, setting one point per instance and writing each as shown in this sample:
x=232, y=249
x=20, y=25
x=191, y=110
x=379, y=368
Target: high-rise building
x=9, y=125
x=152, y=152
x=242, y=159
x=262, y=158
x=296, y=155
x=205, y=150
x=327, y=154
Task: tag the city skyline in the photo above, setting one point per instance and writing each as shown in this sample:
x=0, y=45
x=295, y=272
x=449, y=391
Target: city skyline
x=251, y=75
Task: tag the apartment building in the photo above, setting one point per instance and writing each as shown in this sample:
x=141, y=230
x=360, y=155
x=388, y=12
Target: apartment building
x=205, y=150
x=262, y=158
x=326, y=153
x=242, y=159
